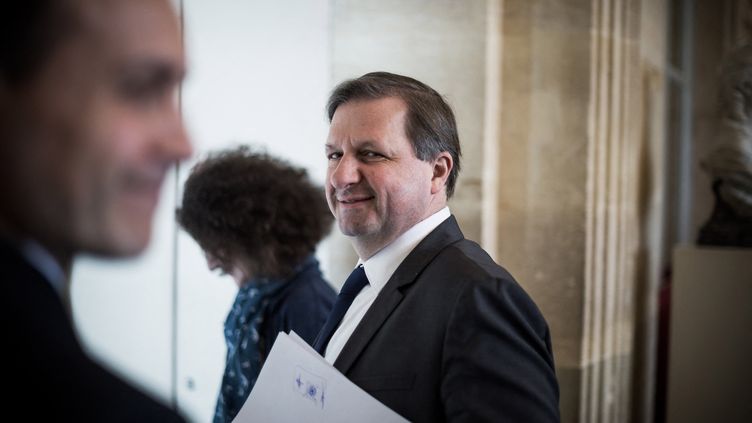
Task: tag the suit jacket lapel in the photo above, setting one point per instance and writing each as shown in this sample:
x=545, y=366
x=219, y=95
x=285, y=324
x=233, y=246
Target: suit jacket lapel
x=391, y=295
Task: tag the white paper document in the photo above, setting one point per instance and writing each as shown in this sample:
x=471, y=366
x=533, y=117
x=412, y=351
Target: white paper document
x=297, y=385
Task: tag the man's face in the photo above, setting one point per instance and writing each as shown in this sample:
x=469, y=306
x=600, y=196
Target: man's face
x=376, y=187
x=92, y=135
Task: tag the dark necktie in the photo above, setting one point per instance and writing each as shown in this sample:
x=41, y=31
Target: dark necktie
x=354, y=283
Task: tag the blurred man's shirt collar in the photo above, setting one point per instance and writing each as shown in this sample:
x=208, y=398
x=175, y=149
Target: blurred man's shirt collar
x=44, y=263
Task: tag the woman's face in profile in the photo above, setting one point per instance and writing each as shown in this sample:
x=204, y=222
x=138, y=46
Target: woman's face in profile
x=235, y=268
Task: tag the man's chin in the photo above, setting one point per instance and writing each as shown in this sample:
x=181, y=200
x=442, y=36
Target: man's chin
x=128, y=230
x=354, y=230
x=120, y=244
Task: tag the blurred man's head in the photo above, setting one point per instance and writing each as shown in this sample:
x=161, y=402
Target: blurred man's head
x=89, y=123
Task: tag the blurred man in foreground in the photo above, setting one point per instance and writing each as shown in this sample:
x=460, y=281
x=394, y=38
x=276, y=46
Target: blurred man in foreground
x=88, y=128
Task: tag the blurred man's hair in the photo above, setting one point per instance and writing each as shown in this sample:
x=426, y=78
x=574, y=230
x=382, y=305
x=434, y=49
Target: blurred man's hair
x=29, y=31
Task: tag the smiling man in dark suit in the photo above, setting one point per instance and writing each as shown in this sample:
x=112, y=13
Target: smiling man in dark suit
x=427, y=323
x=89, y=125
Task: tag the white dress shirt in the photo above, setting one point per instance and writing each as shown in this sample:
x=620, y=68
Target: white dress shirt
x=379, y=268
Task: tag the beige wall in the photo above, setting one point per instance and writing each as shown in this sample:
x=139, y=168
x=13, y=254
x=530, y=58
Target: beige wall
x=542, y=156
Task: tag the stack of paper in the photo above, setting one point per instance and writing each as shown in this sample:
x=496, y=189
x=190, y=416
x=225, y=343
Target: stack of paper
x=296, y=385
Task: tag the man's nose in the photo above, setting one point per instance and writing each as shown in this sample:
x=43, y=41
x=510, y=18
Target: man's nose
x=182, y=148
x=345, y=173
x=174, y=143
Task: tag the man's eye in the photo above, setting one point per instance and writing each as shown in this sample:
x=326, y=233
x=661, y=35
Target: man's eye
x=371, y=155
x=141, y=90
x=145, y=85
x=333, y=156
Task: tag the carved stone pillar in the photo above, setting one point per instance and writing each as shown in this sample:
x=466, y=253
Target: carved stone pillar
x=579, y=157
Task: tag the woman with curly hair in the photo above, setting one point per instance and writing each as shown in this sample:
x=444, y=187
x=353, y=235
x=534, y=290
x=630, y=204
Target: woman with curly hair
x=258, y=219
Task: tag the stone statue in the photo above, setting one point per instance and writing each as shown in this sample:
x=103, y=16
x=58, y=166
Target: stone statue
x=729, y=164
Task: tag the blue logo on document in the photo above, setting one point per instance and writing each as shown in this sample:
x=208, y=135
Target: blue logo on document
x=310, y=386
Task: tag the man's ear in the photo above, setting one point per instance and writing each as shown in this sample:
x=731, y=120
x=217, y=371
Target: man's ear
x=442, y=166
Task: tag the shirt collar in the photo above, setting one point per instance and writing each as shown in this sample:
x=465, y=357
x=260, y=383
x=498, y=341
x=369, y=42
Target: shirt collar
x=380, y=267
x=41, y=260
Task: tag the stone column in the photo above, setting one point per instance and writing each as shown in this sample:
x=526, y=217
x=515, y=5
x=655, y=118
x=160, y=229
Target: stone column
x=578, y=165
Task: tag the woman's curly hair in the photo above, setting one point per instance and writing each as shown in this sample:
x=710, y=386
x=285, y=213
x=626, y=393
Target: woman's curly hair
x=249, y=205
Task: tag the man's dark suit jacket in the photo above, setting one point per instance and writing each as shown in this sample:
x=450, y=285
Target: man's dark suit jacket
x=47, y=376
x=453, y=337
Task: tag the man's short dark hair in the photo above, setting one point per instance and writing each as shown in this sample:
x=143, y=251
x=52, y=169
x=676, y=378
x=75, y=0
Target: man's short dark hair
x=246, y=204
x=430, y=123
x=29, y=31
